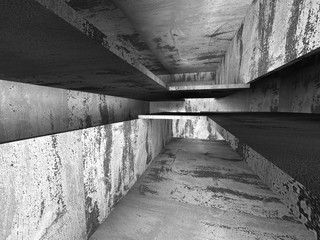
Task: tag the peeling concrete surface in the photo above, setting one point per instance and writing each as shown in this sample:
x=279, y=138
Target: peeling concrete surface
x=300, y=200
x=62, y=186
x=210, y=191
x=272, y=34
x=43, y=110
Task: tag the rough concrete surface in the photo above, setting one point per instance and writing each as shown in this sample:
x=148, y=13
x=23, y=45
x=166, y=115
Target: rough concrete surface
x=272, y=34
x=186, y=37
x=200, y=190
x=111, y=21
x=290, y=141
x=190, y=77
x=63, y=186
x=293, y=89
x=44, y=110
x=52, y=45
x=194, y=128
x=294, y=178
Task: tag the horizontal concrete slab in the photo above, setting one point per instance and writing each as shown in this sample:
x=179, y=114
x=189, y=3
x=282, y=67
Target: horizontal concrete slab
x=52, y=45
x=205, y=85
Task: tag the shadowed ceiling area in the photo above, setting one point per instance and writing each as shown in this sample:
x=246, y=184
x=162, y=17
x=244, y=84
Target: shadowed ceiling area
x=133, y=49
x=186, y=36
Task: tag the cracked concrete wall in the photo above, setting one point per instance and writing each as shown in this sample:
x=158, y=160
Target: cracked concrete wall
x=63, y=186
x=296, y=89
x=29, y=110
x=272, y=34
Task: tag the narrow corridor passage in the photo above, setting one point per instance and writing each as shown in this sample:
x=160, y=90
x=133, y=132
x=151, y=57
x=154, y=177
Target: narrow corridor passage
x=200, y=190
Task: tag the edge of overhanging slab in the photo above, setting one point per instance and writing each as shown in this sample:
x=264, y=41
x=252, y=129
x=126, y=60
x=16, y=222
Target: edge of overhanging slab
x=62, y=9
x=205, y=85
x=168, y=117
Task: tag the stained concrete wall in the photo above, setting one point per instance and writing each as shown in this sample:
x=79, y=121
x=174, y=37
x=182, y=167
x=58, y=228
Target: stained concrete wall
x=294, y=89
x=30, y=110
x=63, y=186
x=303, y=203
x=272, y=34
x=194, y=128
x=190, y=77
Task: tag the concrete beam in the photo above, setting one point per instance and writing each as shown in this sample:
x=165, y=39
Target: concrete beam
x=205, y=85
x=111, y=21
x=273, y=33
x=55, y=46
x=62, y=9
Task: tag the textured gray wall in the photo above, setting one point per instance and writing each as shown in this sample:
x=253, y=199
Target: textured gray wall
x=273, y=33
x=195, y=128
x=63, y=186
x=30, y=110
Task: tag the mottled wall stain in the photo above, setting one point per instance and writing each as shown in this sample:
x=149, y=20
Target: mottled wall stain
x=63, y=186
x=195, y=128
x=42, y=189
x=114, y=156
x=190, y=77
x=274, y=33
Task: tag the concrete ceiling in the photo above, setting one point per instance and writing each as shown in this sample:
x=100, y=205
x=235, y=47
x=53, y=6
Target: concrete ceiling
x=117, y=48
x=186, y=36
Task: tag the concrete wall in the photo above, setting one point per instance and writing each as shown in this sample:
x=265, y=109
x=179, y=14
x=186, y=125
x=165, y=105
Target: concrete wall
x=295, y=89
x=63, y=186
x=190, y=77
x=195, y=128
x=30, y=110
x=273, y=33
x=304, y=204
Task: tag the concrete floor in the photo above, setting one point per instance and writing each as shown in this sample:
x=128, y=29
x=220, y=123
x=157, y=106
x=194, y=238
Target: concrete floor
x=200, y=190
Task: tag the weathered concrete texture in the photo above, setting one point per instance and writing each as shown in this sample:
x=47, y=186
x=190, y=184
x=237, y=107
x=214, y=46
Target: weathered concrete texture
x=41, y=183
x=64, y=11
x=301, y=202
x=200, y=190
x=190, y=77
x=62, y=186
x=272, y=34
x=186, y=37
x=194, y=128
x=207, y=85
x=262, y=97
x=293, y=89
x=28, y=110
x=110, y=20
x=114, y=158
x=52, y=45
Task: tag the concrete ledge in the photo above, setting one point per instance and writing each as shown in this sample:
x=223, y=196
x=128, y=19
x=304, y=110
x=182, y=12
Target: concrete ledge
x=204, y=85
x=172, y=117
